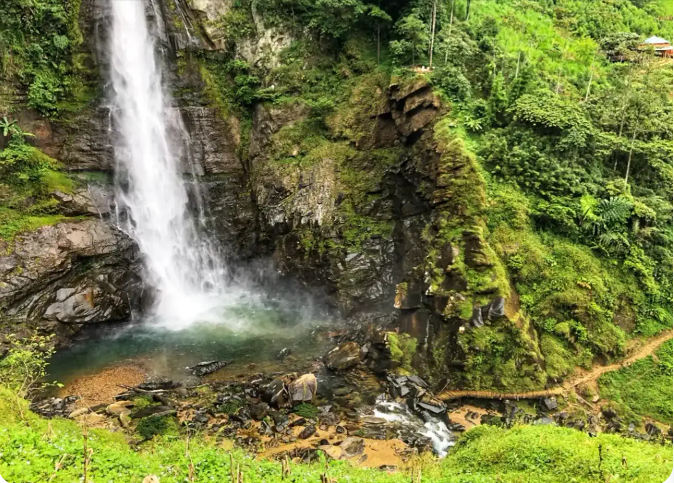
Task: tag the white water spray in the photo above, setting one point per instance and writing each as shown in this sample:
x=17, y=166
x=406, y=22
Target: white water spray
x=182, y=265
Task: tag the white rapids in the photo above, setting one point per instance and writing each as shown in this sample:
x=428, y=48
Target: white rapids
x=152, y=191
x=435, y=430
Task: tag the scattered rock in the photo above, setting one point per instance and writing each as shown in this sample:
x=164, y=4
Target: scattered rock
x=207, y=367
x=115, y=409
x=352, y=446
x=549, y=403
x=283, y=353
x=343, y=357
x=544, y=421
x=55, y=406
x=307, y=432
x=259, y=411
x=275, y=393
x=595, y=398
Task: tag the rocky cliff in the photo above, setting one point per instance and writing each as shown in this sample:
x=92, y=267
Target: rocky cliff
x=372, y=198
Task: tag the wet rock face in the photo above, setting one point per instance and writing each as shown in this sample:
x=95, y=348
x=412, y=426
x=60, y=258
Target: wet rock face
x=72, y=273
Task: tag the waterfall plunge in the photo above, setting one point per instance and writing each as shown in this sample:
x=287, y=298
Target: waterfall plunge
x=181, y=265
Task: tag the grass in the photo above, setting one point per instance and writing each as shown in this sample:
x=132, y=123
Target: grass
x=643, y=388
x=32, y=446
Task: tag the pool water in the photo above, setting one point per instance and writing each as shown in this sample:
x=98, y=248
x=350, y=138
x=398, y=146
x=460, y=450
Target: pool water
x=248, y=331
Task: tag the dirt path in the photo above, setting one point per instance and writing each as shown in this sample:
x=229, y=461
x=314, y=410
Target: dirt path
x=646, y=350
x=585, y=377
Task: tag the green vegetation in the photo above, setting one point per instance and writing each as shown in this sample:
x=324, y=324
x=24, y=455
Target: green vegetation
x=151, y=426
x=306, y=410
x=402, y=347
x=25, y=363
x=28, y=178
x=231, y=407
x=642, y=389
x=32, y=446
x=39, y=54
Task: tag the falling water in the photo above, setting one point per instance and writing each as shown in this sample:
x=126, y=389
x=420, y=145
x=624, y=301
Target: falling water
x=151, y=190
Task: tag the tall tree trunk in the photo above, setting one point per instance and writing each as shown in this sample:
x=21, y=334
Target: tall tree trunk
x=467, y=10
x=620, y=132
x=517, y=69
x=451, y=22
x=629, y=157
x=587, y=92
x=622, y=118
x=433, y=17
x=378, y=36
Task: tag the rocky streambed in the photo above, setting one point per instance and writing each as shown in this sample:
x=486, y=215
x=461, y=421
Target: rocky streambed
x=350, y=402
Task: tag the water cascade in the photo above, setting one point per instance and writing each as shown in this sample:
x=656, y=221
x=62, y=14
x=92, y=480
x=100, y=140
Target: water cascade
x=152, y=192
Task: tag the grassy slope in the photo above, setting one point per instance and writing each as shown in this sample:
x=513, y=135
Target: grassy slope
x=643, y=388
x=30, y=449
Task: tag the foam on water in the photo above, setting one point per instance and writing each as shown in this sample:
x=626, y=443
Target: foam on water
x=436, y=430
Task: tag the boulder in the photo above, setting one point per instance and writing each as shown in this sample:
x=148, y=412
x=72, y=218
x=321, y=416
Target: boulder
x=125, y=419
x=259, y=411
x=118, y=408
x=549, y=403
x=154, y=383
x=283, y=353
x=275, y=393
x=303, y=389
x=207, y=367
x=352, y=446
x=334, y=452
x=74, y=272
x=608, y=412
x=343, y=357
x=153, y=411
x=308, y=431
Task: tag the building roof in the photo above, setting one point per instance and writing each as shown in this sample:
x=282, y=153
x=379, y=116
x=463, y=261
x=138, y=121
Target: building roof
x=656, y=40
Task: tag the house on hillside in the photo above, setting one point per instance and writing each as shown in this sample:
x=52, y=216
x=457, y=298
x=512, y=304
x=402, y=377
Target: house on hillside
x=661, y=46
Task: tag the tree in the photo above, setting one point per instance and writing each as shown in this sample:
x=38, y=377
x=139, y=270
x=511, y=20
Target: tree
x=334, y=17
x=412, y=29
x=380, y=17
x=434, y=15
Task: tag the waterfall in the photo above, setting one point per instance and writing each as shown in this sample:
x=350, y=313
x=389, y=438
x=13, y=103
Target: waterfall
x=151, y=188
